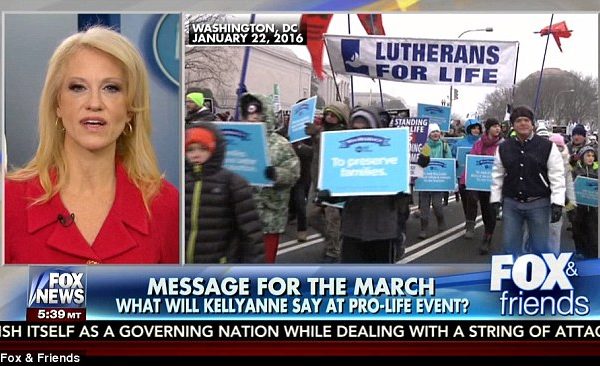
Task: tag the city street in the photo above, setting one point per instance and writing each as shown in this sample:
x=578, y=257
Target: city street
x=449, y=246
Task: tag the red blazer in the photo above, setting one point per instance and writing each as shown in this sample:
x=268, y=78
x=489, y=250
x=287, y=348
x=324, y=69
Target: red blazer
x=34, y=234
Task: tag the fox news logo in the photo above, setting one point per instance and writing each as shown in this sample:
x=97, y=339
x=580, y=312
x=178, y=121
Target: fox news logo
x=57, y=287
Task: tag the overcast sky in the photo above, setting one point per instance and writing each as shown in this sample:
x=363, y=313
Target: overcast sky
x=580, y=51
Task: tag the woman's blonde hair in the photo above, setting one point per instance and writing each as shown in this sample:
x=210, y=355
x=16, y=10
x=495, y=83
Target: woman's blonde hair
x=134, y=148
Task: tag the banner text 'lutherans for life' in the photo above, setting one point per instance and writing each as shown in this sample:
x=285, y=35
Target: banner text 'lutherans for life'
x=432, y=61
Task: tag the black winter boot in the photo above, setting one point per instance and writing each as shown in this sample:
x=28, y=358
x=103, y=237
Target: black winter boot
x=423, y=232
x=469, y=229
x=441, y=222
x=486, y=244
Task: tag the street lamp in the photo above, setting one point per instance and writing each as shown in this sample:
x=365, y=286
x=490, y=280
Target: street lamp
x=555, y=99
x=488, y=29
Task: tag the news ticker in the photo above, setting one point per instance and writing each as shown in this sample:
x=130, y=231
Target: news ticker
x=233, y=31
x=530, y=286
x=454, y=330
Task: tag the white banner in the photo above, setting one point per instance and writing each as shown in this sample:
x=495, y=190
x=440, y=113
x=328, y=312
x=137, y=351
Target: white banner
x=430, y=61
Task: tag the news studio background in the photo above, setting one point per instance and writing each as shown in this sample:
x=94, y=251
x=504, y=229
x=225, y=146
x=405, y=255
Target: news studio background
x=442, y=298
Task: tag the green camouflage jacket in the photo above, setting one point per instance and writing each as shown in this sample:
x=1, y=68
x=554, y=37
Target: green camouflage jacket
x=273, y=202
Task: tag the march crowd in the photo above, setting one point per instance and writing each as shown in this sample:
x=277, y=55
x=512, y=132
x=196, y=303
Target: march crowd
x=229, y=221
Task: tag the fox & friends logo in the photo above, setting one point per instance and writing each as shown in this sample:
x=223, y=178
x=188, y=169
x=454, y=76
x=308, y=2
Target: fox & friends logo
x=537, y=285
x=57, y=287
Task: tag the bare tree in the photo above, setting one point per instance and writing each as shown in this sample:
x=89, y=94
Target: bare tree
x=583, y=106
x=208, y=65
x=564, y=96
x=495, y=103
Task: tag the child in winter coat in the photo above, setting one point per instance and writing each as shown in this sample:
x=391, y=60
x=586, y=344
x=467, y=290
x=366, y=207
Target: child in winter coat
x=221, y=221
x=434, y=148
x=469, y=203
x=585, y=225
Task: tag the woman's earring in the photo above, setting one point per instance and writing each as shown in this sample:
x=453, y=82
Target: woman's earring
x=59, y=126
x=130, y=127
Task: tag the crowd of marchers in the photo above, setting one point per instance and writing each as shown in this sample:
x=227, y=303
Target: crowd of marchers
x=229, y=221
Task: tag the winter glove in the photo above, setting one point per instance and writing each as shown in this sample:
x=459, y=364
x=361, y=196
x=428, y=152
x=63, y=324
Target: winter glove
x=496, y=206
x=311, y=129
x=423, y=160
x=573, y=159
x=572, y=216
x=324, y=195
x=556, y=212
x=570, y=206
x=271, y=173
x=426, y=150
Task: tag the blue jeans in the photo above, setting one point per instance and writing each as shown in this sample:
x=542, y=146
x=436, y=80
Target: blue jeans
x=536, y=215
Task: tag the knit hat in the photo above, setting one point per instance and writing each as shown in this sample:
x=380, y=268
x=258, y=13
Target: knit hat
x=579, y=130
x=470, y=123
x=202, y=136
x=341, y=110
x=585, y=149
x=490, y=122
x=521, y=111
x=542, y=131
x=336, y=112
x=432, y=128
x=370, y=117
x=557, y=139
x=197, y=98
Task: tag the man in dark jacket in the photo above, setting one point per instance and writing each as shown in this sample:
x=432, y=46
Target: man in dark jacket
x=370, y=225
x=578, y=140
x=221, y=221
x=528, y=178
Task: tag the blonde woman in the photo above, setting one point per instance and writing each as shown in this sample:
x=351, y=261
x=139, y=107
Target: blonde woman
x=93, y=192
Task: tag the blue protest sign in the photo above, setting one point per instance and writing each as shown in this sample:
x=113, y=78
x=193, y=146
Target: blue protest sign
x=436, y=114
x=368, y=162
x=439, y=175
x=461, y=157
x=451, y=140
x=478, y=172
x=586, y=191
x=247, y=151
x=301, y=114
